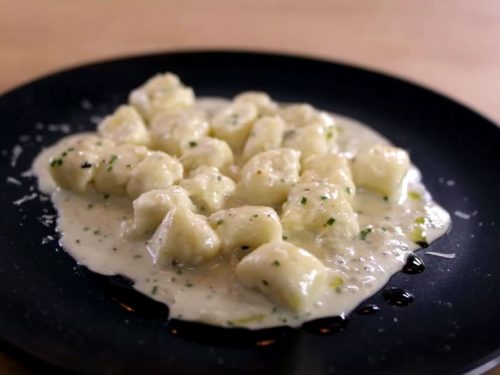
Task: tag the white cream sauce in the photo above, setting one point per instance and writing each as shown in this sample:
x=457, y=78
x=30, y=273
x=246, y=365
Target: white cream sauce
x=90, y=228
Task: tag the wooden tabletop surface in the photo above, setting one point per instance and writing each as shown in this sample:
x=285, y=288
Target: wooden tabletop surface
x=452, y=46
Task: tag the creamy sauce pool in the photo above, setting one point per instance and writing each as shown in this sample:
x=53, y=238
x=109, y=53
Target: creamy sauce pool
x=90, y=227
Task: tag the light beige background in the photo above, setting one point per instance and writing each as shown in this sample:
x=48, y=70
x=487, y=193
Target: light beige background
x=452, y=46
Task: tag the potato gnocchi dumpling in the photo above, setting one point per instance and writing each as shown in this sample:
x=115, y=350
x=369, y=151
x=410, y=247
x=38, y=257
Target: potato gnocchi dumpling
x=208, y=188
x=265, y=105
x=244, y=228
x=321, y=208
x=266, y=134
x=124, y=126
x=183, y=239
x=244, y=212
x=381, y=168
x=233, y=124
x=151, y=207
x=211, y=152
x=173, y=132
x=288, y=275
x=163, y=92
x=156, y=171
x=268, y=176
x=332, y=168
x=116, y=166
x=74, y=168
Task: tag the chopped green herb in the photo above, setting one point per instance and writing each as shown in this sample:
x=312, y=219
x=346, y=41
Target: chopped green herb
x=220, y=222
x=365, y=232
x=111, y=161
x=97, y=231
x=56, y=162
x=284, y=238
x=330, y=221
x=303, y=200
x=98, y=143
x=414, y=195
x=154, y=290
x=77, y=241
x=129, y=165
x=324, y=197
x=86, y=229
x=189, y=285
x=219, y=178
x=265, y=282
x=106, y=196
x=386, y=198
x=256, y=215
x=245, y=247
x=137, y=256
x=329, y=135
x=276, y=263
x=348, y=190
x=192, y=144
x=85, y=165
x=420, y=220
x=90, y=206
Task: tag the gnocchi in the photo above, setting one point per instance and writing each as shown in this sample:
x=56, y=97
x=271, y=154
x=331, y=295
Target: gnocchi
x=156, y=171
x=183, y=239
x=287, y=274
x=124, y=126
x=245, y=228
x=381, y=168
x=268, y=176
x=208, y=188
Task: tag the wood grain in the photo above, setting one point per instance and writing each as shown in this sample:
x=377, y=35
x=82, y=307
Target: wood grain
x=452, y=46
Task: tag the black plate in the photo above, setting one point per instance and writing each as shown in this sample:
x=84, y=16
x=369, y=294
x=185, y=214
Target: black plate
x=52, y=310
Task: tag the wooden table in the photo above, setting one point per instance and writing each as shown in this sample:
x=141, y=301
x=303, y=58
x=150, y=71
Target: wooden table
x=452, y=46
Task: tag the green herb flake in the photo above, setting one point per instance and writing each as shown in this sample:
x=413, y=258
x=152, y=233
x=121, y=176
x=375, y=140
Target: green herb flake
x=329, y=135
x=56, y=162
x=193, y=144
x=330, y=222
x=265, y=282
x=106, y=196
x=348, y=190
x=414, y=195
x=276, y=263
x=138, y=256
x=365, y=232
x=154, y=290
x=245, y=247
x=77, y=241
x=220, y=222
x=189, y=285
x=386, y=198
x=111, y=161
x=284, y=238
x=323, y=197
x=303, y=201
x=420, y=220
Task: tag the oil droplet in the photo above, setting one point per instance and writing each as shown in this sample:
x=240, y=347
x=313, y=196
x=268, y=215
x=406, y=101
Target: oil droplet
x=398, y=297
x=414, y=265
x=326, y=326
x=370, y=309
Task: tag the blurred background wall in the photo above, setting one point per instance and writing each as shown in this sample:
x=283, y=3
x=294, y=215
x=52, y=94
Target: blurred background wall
x=450, y=45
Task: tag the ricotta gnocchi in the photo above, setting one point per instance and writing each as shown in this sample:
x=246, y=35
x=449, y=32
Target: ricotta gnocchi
x=242, y=212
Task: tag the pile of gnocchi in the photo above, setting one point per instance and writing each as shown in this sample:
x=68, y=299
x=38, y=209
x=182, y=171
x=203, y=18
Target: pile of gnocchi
x=261, y=184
